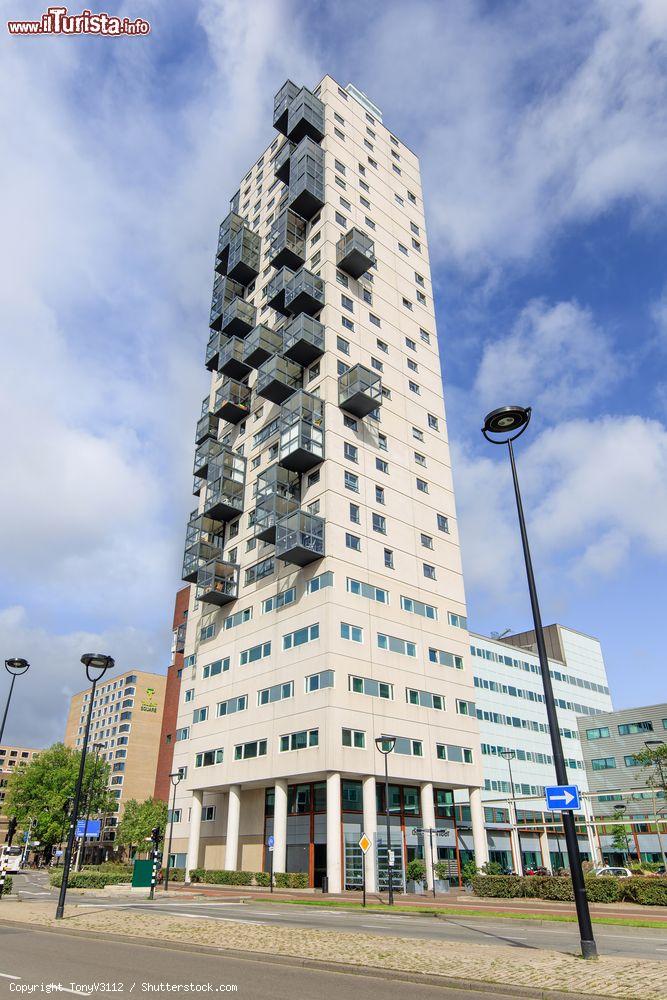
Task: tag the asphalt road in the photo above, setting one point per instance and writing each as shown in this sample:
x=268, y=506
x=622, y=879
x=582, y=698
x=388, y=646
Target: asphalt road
x=635, y=942
x=32, y=958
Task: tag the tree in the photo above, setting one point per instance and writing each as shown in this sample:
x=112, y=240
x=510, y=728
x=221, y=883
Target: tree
x=138, y=820
x=619, y=839
x=654, y=764
x=38, y=791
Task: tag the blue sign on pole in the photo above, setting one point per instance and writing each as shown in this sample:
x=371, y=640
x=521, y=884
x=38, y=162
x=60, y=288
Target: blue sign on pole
x=92, y=830
x=271, y=841
x=561, y=797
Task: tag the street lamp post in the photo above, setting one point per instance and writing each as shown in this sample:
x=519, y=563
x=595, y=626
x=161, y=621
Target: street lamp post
x=91, y=787
x=15, y=667
x=509, y=756
x=385, y=744
x=649, y=744
x=174, y=778
x=96, y=665
x=504, y=426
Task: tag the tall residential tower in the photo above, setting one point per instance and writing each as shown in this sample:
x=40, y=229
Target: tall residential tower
x=327, y=604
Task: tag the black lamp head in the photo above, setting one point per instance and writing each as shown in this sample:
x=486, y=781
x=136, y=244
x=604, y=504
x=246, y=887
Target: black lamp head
x=385, y=744
x=16, y=666
x=510, y=421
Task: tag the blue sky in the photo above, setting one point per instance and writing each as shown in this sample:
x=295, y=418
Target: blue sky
x=542, y=130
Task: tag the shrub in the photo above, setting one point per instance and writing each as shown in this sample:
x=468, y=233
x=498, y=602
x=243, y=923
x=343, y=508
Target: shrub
x=8, y=885
x=291, y=880
x=648, y=891
x=500, y=886
x=469, y=871
x=415, y=870
x=110, y=866
x=262, y=878
x=491, y=868
x=88, y=880
x=441, y=870
x=603, y=890
x=221, y=876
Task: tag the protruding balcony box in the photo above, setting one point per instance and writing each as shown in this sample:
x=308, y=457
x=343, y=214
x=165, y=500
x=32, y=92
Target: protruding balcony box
x=275, y=290
x=231, y=361
x=300, y=538
x=306, y=182
x=223, y=500
x=288, y=240
x=196, y=486
x=228, y=229
x=232, y=401
x=277, y=379
x=359, y=391
x=278, y=493
x=204, y=540
x=209, y=449
x=303, y=340
x=355, y=253
x=261, y=344
x=217, y=583
x=224, y=291
x=281, y=103
x=179, y=638
x=281, y=163
x=302, y=432
x=244, y=254
x=304, y=293
x=215, y=341
x=239, y=318
x=305, y=117
x=235, y=202
x=207, y=427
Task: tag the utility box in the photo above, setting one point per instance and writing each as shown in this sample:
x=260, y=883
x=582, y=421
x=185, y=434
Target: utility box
x=141, y=875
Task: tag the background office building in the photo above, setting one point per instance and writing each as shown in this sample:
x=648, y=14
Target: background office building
x=125, y=724
x=620, y=787
x=10, y=760
x=327, y=604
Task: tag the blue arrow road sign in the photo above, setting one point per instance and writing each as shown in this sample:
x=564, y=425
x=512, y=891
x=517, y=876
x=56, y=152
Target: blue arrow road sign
x=562, y=797
x=271, y=841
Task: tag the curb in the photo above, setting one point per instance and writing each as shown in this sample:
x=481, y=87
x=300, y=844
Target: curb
x=499, y=990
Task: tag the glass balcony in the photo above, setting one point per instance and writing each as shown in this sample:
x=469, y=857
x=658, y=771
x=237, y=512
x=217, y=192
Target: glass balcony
x=204, y=540
x=238, y=318
x=278, y=492
x=275, y=295
x=232, y=401
x=244, y=254
x=207, y=427
x=304, y=293
x=179, y=638
x=215, y=341
x=305, y=117
x=300, y=538
x=303, y=340
x=231, y=361
x=217, y=583
x=261, y=344
x=206, y=451
x=281, y=163
x=355, y=253
x=306, y=185
x=302, y=432
x=359, y=391
x=281, y=103
x=277, y=379
x=288, y=240
x=228, y=228
x=224, y=290
x=223, y=499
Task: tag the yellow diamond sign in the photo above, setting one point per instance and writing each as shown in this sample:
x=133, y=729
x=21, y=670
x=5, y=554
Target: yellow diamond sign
x=364, y=843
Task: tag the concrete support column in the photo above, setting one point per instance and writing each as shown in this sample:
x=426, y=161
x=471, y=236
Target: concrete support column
x=333, y=832
x=481, y=847
x=195, y=829
x=515, y=837
x=370, y=829
x=428, y=822
x=544, y=849
x=280, y=825
x=233, y=817
x=593, y=838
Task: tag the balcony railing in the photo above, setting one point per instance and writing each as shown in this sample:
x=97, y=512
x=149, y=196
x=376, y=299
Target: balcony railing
x=303, y=340
x=281, y=163
x=355, y=253
x=215, y=341
x=238, y=318
x=179, y=638
x=206, y=451
x=281, y=103
x=244, y=256
x=302, y=432
x=223, y=499
x=300, y=538
x=275, y=290
x=306, y=186
x=204, y=540
x=359, y=391
x=288, y=240
x=232, y=401
x=277, y=379
x=304, y=293
x=207, y=427
x=228, y=228
x=217, y=583
x=305, y=117
x=261, y=344
x=278, y=492
x=231, y=361
x=224, y=290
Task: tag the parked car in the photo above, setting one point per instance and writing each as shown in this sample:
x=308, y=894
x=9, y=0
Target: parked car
x=614, y=872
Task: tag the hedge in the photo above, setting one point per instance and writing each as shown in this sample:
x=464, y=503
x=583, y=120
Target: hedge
x=89, y=879
x=605, y=889
x=8, y=885
x=282, y=880
x=115, y=867
x=291, y=880
x=175, y=874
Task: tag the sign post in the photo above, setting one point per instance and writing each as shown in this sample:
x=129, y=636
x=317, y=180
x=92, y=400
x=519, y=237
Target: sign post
x=271, y=841
x=365, y=843
x=155, y=837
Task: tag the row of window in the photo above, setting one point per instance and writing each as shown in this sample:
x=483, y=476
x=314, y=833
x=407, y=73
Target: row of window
x=624, y=729
x=528, y=695
x=534, y=668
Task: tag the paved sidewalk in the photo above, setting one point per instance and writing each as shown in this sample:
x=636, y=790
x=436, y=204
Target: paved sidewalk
x=538, y=969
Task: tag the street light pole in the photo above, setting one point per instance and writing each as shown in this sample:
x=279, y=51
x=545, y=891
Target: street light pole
x=174, y=778
x=15, y=667
x=96, y=665
x=385, y=744
x=509, y=755
x=511, y=422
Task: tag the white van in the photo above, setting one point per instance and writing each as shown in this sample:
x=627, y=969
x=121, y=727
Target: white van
x=11, y=857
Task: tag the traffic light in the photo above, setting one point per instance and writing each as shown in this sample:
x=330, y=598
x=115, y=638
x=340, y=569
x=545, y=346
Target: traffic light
x=11, y=830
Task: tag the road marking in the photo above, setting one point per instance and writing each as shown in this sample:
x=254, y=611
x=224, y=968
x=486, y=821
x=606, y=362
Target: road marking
x=5, y=975
x=223, y=920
